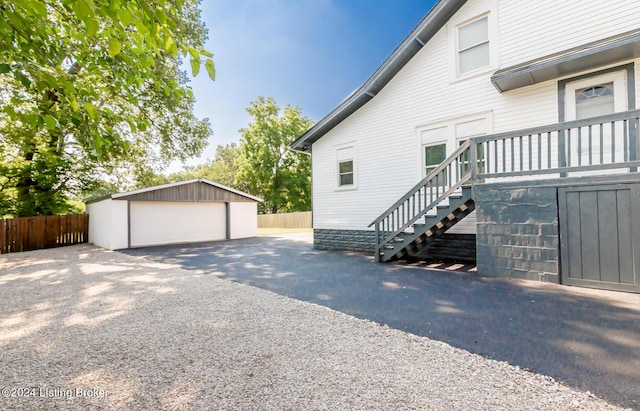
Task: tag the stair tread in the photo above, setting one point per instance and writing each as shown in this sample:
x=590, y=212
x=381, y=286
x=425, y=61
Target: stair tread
x=458, y=205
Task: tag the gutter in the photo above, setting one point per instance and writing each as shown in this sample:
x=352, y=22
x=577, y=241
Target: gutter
x=426, y=29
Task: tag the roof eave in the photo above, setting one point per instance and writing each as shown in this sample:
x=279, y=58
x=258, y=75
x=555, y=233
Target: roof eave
x=125, y=196
x=426, y=29
x=599, y=53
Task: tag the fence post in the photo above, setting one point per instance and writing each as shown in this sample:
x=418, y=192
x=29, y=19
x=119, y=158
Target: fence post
x=4, y=243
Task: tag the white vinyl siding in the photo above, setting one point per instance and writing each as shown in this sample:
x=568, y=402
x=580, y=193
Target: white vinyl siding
x=108, y=224
x=389, y=155
x=532, y=29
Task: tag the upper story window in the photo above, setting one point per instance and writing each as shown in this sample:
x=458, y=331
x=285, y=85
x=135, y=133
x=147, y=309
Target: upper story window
x=473, y=45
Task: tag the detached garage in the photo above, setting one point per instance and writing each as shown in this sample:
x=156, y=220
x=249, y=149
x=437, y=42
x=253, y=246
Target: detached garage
x=185, y=212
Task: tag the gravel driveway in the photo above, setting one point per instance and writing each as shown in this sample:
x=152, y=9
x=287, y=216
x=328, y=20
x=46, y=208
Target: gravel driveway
x=85, y=328
x=588, y=339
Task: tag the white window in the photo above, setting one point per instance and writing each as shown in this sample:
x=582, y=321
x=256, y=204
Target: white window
x=345, y=173
x=473, y=45
x=346, y=166
x=438, y=140
x=433, y=156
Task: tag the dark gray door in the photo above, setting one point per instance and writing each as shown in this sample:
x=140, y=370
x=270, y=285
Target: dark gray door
x=599, y=236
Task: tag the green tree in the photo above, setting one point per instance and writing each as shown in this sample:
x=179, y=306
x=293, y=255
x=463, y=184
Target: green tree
x=268, y=169
x=92, y=88
x=224, y=168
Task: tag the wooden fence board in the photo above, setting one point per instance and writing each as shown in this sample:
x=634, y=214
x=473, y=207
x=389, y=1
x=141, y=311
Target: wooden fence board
x=301, y=219
x=34, y=233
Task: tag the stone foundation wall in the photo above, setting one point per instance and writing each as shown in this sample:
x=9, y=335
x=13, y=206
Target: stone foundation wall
x=517, y=231
x=352, y=240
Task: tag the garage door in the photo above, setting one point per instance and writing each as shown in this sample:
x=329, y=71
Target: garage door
x=155, y=222
x=600, y=236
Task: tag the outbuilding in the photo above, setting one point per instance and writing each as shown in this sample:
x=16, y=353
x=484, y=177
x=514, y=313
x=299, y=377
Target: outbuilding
x=185, y=212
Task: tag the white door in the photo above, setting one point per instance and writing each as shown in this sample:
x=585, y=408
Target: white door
x=592, y=97
x=157, y=222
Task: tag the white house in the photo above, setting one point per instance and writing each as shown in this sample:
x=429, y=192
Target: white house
x=184, y=212
x=509, y=124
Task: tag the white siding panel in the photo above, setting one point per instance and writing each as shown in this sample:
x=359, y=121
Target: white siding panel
x=530, y=29
x=157, y=222
x=100, y=223
x=385, y=130
x=108, y=224
x=244, y=219
x=120, y=227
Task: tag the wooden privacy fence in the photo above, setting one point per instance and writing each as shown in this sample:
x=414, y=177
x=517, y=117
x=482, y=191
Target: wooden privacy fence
x=301, y=219
x=34, y=233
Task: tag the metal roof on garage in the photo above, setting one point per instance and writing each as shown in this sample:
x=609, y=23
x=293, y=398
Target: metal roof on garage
x=199, y=189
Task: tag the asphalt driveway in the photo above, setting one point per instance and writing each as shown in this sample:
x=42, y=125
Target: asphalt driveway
x=589, y=339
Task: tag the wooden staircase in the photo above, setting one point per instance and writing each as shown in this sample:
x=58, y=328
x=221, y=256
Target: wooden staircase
x=430, y=208
x=433, y=225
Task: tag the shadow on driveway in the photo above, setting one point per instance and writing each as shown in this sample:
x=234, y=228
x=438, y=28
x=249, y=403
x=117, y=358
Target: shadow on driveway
x=589, y=339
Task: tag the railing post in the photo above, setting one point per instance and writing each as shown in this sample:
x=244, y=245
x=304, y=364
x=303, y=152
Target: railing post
x=634, y=148
x=473, y=163
x=562, y=154
x=377, y=244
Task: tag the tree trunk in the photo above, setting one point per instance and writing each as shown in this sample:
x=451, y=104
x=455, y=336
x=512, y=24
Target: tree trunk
x=25, y=203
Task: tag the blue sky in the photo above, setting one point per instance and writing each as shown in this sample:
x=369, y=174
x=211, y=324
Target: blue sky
x=306, y=53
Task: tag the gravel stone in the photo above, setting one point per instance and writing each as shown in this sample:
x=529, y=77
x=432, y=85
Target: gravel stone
x=85, y=328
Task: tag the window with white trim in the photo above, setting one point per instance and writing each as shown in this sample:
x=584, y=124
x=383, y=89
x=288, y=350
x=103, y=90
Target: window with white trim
x=346, y=167
x=473, y=46
x=433, y=156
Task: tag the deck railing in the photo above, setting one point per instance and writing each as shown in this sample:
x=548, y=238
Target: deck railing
x=595, y=144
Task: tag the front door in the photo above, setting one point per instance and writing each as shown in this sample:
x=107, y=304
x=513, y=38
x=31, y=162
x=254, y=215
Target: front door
x=595, y=96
